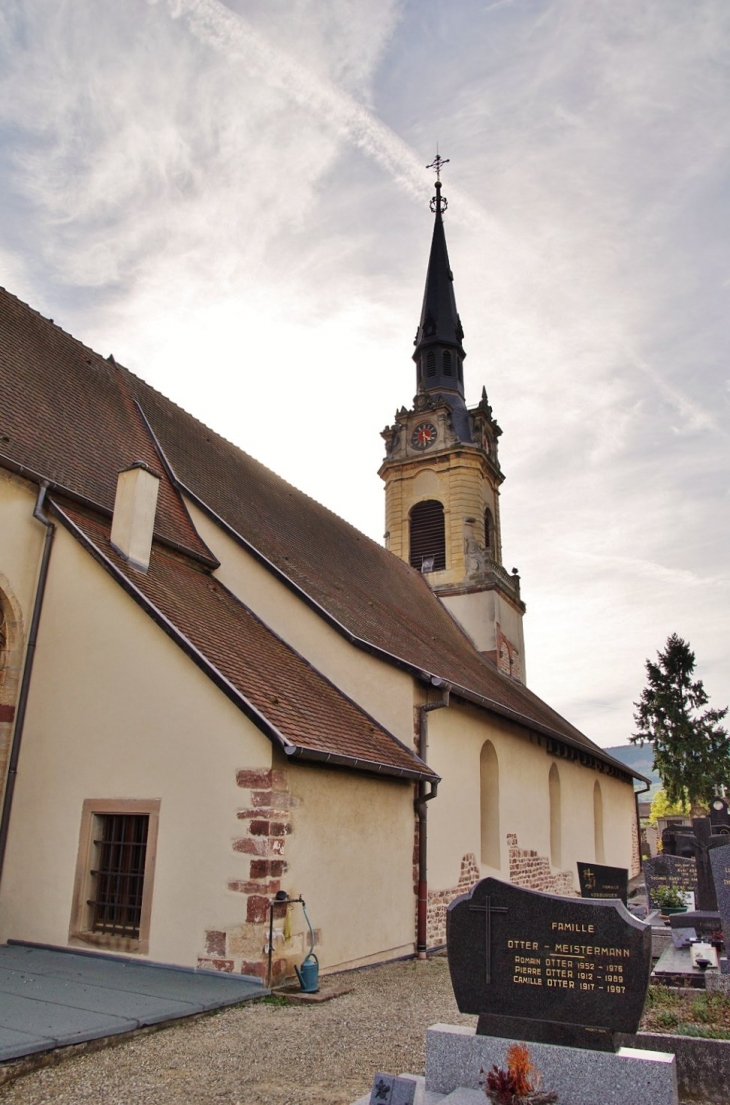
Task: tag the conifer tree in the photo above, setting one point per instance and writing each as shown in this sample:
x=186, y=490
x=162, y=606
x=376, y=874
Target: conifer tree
x=691, y=749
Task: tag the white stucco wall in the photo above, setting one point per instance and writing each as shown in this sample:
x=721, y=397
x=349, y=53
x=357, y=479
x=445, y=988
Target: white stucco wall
x=380, y=689
x=456, y=736
x=351, y=859
x=116, y=710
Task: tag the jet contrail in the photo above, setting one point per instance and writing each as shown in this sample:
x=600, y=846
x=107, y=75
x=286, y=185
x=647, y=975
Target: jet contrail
x=216, y=25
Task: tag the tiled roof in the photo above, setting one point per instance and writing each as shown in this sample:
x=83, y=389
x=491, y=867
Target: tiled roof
x=377, y=597
x=286, y=696
x=71, y=416
x=68, y=415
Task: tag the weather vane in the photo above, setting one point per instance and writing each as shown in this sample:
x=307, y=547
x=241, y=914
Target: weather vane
x=438, y=203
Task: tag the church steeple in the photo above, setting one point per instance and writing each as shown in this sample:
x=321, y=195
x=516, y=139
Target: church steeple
x=439, y=352
x=442, y=476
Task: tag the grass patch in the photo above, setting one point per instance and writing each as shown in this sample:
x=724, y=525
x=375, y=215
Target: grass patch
x=687, y=1013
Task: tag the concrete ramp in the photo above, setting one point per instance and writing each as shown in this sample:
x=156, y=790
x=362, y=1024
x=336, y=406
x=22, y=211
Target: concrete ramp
x=50, y=997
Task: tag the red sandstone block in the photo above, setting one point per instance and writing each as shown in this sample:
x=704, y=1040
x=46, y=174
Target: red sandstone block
x=278, y=828
x=261, y=869
x=249, y=779
x=251, y=847
x=7, y=713
x=261, y=797
x=279, y=968
x=215, y=943
x=246, y=887
x=276, y=847
x=278, y=867
x=216, y=964
x=260, y=828
x=248, y=967
x=257, y=909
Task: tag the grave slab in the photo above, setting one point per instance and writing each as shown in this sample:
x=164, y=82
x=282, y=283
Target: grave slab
x=455, y=1056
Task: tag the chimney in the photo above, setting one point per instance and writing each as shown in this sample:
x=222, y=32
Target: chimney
x=133, y=522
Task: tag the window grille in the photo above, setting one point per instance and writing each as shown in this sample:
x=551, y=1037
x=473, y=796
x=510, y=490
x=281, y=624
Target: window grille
x=427, y=536
x=448, y=366
x=119, y=875
x=431, y=363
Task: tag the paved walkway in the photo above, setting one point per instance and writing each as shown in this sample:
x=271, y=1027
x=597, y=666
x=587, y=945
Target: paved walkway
x=50, y=997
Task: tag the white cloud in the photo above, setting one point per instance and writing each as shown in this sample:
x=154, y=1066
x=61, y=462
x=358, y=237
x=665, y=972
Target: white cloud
x=232, y=199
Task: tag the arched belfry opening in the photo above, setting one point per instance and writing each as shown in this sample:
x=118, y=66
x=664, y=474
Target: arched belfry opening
x=428, y=536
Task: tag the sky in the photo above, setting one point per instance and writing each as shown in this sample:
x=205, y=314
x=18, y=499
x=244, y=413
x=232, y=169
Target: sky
x=232, y=199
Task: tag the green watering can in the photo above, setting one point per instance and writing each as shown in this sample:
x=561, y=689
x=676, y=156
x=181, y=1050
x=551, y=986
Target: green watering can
x=308, y=973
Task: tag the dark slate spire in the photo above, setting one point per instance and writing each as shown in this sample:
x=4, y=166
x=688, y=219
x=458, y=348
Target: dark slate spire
x=439, y=353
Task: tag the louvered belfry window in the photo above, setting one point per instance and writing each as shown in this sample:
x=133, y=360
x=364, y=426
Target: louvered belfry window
x=428, y=543
x=118, y=879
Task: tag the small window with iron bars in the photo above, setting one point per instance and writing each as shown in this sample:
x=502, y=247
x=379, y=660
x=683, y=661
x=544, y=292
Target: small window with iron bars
x=118, y=878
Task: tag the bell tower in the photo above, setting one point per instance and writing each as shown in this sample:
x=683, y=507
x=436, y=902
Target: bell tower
x=442, y=476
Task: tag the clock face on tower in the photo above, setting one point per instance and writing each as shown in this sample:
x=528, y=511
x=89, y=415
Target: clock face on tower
x=424, y=435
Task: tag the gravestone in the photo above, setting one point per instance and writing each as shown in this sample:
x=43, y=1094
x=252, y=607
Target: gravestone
x=552, y=970
x=720, y=817
x=720, y=859
x=599, y=881
x=677, y=872
x=389, y=1090
x=706, y=834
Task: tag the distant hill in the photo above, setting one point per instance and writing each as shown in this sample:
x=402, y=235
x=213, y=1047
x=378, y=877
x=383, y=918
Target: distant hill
x=640, y=758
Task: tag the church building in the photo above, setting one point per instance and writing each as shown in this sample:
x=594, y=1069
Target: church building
x=214, y=690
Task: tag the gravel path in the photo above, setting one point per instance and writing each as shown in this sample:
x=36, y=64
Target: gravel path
x=265, y=1054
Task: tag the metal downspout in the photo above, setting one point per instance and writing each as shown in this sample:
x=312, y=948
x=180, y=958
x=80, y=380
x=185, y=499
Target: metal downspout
x=27, y=672
x=638, y=820
x=425, y=796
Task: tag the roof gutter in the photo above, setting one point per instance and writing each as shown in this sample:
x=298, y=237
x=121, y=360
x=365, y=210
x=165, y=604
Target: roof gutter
x=289, y=748
x=298, y=752
x=27, y=672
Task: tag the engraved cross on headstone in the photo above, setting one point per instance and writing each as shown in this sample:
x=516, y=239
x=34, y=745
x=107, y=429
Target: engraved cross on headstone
x=487, y=909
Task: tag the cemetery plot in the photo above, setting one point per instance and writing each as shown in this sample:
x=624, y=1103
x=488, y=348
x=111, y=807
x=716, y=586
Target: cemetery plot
x=675, y=872
x=539, y=967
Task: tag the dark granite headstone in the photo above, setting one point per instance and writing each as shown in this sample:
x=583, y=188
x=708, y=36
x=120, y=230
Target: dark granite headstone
x=720, y=859
x=389, y=1090
x=677, y=872
x=599, y=881
x=677, y=841
x=703, y=921
x=553, y=970
x=720, y=817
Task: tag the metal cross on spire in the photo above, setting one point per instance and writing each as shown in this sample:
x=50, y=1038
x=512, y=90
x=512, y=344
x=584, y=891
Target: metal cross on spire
x=439, y=203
